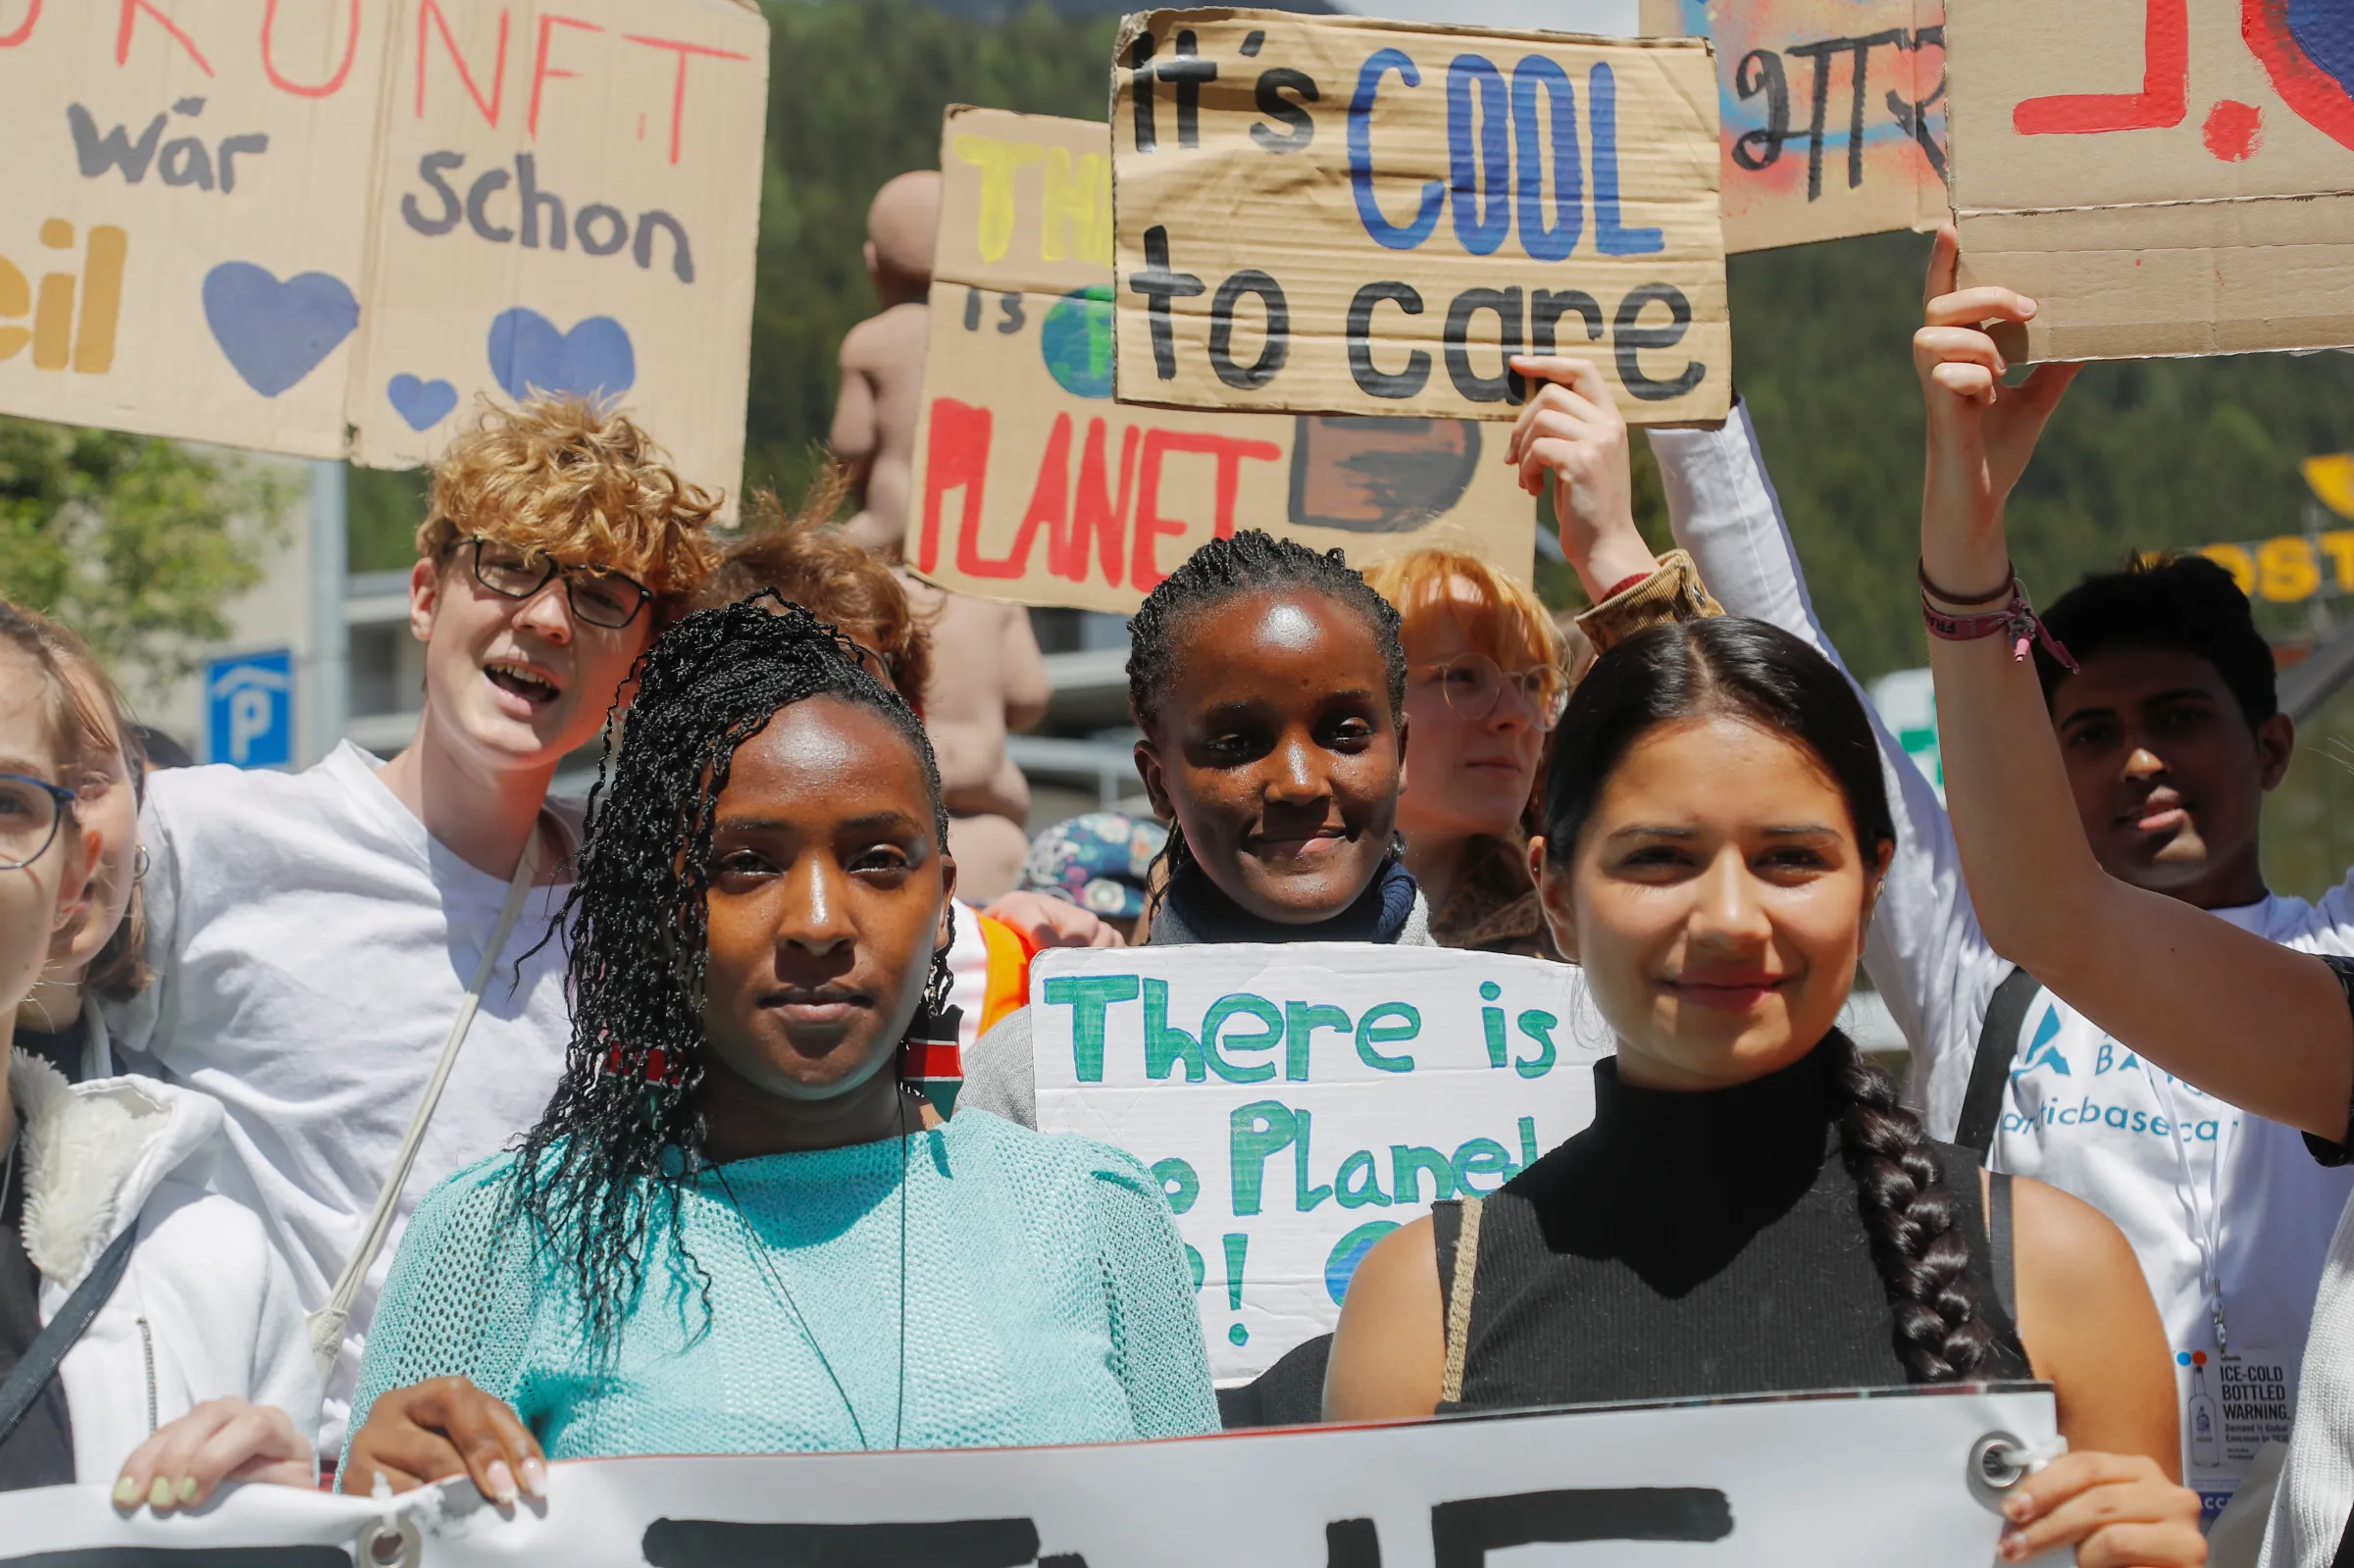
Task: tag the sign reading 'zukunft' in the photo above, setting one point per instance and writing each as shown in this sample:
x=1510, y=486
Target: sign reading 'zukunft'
x=1336, y=216
x=1300, y=1102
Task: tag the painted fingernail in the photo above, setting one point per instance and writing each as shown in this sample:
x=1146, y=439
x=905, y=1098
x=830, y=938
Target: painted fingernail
x=535, y=1475
x=188, y=1490
x=2021, y=1508
x=2013, y=1548
x=159, y=1496
x=126, y=1492
x=502, y=1482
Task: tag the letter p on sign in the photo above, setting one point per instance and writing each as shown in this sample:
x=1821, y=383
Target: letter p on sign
x=249, y=710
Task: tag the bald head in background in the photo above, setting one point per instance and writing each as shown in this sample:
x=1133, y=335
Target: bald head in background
x=986, y=677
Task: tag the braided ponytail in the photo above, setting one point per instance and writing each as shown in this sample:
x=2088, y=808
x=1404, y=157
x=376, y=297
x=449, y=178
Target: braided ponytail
x=1920, y=1233
x=1755, y=672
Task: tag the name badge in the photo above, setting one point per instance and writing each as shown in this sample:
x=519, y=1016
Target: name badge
x=2232, y=1405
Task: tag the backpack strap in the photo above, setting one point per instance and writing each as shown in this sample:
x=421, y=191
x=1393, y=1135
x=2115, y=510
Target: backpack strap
x=48, y=1349
x=1990, y=1067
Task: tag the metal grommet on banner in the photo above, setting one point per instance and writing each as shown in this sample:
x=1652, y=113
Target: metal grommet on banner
x=2001, y=1460
x=393, y=1542
x=390, y=1539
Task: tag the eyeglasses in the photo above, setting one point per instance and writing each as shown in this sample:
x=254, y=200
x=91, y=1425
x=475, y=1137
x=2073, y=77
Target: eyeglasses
x=1472, y=685
x=30, y=811
x=600, y=599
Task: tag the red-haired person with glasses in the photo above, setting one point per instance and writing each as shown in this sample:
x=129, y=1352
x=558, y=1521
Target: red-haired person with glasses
x=316, y=938
x=1488, y=672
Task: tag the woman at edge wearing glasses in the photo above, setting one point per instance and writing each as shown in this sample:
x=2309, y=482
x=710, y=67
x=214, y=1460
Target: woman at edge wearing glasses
x=1487, y=677
x=160, y=1310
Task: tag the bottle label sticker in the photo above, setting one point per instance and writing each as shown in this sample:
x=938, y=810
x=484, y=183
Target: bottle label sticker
x=2232, y=1405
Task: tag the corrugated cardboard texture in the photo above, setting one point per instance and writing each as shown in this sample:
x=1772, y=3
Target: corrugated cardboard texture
x=2167, y=178
x=1031, y=485
x=1328, y=214
x=1832, y=114
x=268, y=232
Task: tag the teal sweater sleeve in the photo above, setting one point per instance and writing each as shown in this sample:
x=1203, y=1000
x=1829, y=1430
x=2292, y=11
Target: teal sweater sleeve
x=1156, y=1342
x=459, y=1300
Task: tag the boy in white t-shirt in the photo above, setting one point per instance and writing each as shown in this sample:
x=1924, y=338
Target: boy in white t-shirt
x=2172, y=736
x=314, y=935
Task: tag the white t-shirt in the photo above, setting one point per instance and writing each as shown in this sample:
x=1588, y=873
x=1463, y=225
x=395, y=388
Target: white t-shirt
x=2184, y=1176
x=310, y=943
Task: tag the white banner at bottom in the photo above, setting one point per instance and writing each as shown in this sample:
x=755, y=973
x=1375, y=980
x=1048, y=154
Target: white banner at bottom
x=1807, y=1479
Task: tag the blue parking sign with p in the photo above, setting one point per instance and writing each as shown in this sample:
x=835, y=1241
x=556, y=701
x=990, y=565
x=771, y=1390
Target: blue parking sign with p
x=250, y=706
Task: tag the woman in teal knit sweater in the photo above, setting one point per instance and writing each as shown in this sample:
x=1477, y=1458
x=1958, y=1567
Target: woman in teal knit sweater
x=733, y=1230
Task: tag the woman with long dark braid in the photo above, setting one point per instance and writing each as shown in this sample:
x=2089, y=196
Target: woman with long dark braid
x=732, y=1230
x=1751, y=1209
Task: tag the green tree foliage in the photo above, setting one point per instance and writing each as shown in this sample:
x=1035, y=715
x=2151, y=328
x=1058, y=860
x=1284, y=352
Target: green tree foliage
x=134, y=542
x=2153, y=455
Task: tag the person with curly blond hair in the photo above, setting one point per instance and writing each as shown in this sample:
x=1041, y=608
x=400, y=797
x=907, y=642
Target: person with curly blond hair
x=319, y=939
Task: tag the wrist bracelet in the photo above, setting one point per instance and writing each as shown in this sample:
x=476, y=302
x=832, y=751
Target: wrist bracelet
x=1627, y=582
x=2017, y=621
x=1998, y=596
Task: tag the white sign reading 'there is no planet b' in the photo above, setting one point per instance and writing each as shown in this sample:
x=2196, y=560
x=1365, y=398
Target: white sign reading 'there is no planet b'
x=1299, y=1103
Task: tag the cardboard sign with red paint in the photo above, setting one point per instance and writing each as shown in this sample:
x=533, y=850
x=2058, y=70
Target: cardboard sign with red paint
x=332, y=233
x=2164, y=177
x=1032, y=485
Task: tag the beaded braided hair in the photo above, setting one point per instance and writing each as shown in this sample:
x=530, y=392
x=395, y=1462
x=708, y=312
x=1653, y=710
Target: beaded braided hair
x=624, y=1131
x=1758, y=673
x=1253, y=561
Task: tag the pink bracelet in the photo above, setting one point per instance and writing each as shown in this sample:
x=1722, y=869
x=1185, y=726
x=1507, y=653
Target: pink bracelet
x=2017, y=621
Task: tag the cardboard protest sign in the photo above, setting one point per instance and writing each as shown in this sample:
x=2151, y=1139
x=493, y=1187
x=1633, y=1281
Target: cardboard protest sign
x=2167, y=176
x=1300, y=1103
x=327, y=234
x=1031, y=485
x=1329, y=215
x=1832, y=113
x=1811, y=1481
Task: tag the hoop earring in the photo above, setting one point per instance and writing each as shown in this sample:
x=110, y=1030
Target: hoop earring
x=138, y=865
x=931, y=1053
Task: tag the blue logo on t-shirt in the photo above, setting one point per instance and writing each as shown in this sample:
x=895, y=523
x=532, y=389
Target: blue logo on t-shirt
x=2043, y=1053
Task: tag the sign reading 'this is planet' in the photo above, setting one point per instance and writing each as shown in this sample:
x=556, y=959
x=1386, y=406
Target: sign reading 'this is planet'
x=333, y=232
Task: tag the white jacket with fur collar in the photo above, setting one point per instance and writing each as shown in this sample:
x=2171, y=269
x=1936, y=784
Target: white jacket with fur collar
x=205, y=1308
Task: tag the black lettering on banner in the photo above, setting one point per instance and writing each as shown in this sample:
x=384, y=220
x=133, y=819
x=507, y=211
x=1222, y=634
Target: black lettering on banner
x=187, y=162
x=1159, y=284
x=1913, y=116
x=1009, y=314
x=972, y=309
x=1272, y=354
x=1506, y=386
x=616, y=229
x=1629, y=336
x=429, y=170
x=682, y=260
x=185, y=1557
x=1859, y=50
x=1139, y=92
x=1371, y=379
x=948, y=1544
x=1272, y=85
x=1352, y=1543
x=1547, y=306
x=1761, y=70
x=1185, y=70
x=1462, y=1534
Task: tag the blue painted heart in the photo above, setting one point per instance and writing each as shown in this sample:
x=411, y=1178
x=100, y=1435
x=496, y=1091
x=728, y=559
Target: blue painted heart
x=275, y=333
x=423, y=404
x=592, y=361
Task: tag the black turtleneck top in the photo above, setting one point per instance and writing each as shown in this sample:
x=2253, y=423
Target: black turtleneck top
x=1693, y=1244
